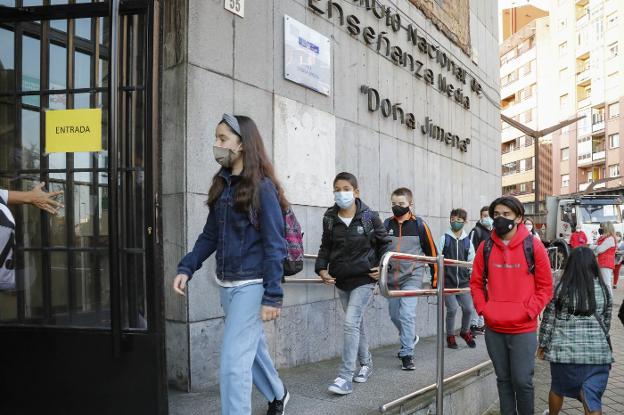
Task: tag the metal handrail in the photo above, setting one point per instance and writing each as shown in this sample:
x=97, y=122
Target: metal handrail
x=383, y=276
x=422, y=391
x=440, y=292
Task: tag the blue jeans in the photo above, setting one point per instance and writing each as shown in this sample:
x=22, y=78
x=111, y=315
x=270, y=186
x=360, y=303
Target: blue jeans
x=244, y=354
x=354, y=304
x=403, y=315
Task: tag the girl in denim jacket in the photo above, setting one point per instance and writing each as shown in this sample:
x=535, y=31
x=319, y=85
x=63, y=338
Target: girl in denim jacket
x=245, y=227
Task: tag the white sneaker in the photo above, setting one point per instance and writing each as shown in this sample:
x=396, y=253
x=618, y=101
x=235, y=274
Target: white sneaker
x=546, y=412
x=364, y=374
x=341, y=386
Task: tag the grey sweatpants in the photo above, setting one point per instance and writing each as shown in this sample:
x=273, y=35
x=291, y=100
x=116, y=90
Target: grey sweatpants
x=513, y=357
x=453, y=303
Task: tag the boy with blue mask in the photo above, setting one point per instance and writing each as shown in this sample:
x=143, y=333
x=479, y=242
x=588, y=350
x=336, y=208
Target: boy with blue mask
x=353, y=242
x=455, y=244
x=480, y=233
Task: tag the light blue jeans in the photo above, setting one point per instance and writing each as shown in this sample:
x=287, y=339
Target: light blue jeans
x=244, y=354
x=354, y=304
x=403, y=315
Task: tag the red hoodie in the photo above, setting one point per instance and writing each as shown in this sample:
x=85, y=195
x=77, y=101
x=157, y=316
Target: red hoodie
x=515, y=296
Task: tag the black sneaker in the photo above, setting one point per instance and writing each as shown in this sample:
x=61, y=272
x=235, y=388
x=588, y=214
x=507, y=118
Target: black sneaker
x=476, y=330
x=278, y=406
x=407, y=363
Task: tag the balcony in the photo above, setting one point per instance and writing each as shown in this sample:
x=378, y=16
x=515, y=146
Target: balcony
x=582, y=20
x=582, y=72
x=598, y=123
x=584, y=103
x=598, y=156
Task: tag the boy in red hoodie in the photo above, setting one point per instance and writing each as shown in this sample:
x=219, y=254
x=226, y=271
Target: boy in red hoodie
x=510, y=298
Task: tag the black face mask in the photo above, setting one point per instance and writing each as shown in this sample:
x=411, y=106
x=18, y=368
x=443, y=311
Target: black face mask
x=503, y=226
x=399, y=211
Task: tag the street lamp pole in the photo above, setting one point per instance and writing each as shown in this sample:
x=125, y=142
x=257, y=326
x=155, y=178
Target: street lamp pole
x=536, y=135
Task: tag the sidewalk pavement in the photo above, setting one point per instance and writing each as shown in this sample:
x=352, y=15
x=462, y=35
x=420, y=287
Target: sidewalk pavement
x=308, y=383
x=612, y=400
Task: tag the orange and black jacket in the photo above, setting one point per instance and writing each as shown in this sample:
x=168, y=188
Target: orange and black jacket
x=410, y=237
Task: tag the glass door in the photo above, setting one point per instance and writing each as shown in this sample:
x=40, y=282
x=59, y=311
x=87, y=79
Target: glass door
x=88, y=293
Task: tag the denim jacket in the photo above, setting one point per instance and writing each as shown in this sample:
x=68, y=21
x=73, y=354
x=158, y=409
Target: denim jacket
x=243, y=252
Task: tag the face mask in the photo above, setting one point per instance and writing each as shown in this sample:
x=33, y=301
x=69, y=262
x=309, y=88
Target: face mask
x=457, y=226
x=600, y=231
x=529, y=227
x=503, y=226
x=487, y=222
x=399, y=211
x=224, y=156
x=344, y=199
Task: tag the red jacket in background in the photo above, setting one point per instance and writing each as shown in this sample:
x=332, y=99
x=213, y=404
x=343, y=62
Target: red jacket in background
x=578, y=238
x=607, y=258
x=515, y=296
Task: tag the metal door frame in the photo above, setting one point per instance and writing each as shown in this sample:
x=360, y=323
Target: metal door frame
x=153, y=248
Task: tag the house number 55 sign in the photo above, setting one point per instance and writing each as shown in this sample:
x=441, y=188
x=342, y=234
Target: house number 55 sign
x=236, y=7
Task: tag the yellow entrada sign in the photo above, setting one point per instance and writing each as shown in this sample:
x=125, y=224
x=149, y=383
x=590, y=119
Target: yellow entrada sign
x=72, y=131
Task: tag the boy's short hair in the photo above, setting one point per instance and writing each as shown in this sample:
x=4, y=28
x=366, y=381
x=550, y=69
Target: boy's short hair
x=511, y=202
x=460, y=213
x=403, y=191
x=484, y=209
x=347, y=177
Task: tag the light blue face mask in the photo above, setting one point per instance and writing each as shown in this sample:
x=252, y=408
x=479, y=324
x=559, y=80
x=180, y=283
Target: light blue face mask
x=344, y=199
x=488, y=222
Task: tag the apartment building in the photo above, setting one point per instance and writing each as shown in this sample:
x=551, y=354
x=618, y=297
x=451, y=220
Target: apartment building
x=526, y=77
x=558, y=67
x=590, y=66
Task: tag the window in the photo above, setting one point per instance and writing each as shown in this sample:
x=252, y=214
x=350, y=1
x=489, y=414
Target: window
x=563, y=102
x=523, y=187
x=511, y=77
x=528, y=116
x=612, y=81
x=612, y=20
x=526, y=93
x=565, y=180
x=525, y=46
x=563, y=48
x=612, y=50
x=526, y=69
x=508, y=56
x=614, y=170
x=565, y=154
x=614, y=140
x=614, y=110
x=563, y=72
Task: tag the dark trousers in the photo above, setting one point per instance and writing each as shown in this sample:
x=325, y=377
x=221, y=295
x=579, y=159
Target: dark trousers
x=513, y=357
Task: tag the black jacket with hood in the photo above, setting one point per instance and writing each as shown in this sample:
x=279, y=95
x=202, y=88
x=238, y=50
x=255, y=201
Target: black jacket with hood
x=349, y=253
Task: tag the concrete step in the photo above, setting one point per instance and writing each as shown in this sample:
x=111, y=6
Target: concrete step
x=309, y=396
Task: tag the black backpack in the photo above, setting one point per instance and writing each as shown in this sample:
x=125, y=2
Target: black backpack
x=527, y=245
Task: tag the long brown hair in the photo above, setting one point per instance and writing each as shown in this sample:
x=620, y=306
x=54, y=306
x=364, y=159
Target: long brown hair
x=256, y=166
